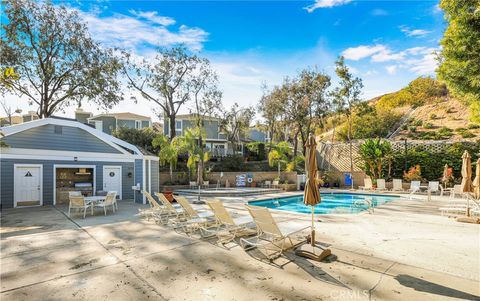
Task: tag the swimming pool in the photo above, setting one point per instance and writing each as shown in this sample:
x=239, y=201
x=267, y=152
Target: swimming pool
x=331, y=203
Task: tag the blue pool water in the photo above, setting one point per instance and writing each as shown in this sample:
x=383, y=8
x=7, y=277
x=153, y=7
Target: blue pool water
x=331, y=203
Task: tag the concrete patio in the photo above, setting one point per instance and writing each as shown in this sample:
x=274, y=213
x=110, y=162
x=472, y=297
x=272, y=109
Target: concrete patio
x=404, y=251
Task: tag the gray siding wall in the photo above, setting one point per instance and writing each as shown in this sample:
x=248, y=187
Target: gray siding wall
x=138, y=179
x=211, y=127
x=155, y=177
x=71, y=139
x=126, y=123
x=257, y=135
x=109, y=123
x=7, y=178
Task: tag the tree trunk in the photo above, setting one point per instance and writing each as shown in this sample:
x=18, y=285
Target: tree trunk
x=200, y=162
x=295, y=144
x=171, y=172
x=351, y=145
x=279, y=169
x=171, y=119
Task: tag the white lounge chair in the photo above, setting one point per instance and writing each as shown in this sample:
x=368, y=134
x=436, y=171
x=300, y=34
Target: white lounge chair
x=193, y=184
x=271, y=239
x=268, y=184
x=434, y=187
x=228, y=228
x=175, y=213
x=381, y=185
x=457, y=191
x=397, y=185
x=275, y=184
x=414, y=187
x=367, y=184
x=195, y=219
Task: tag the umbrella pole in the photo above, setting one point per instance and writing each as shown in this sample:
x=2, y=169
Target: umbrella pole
x=312, y=240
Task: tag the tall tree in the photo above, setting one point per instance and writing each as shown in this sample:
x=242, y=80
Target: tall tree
x=272, y=107
x=167, y=80
x=346, y=97
x=236, y=122
x=208, y=101
x=56, y=60
x=460, y=54
x=308, y=102
x=9, y=111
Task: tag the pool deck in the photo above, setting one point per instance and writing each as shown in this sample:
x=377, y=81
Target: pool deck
x=403, y=251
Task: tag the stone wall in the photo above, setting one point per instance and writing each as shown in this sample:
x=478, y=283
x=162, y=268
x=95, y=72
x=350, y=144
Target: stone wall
x=213, y=177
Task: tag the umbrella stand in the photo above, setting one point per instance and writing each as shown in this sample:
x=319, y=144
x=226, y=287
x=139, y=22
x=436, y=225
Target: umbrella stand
x=311, y=250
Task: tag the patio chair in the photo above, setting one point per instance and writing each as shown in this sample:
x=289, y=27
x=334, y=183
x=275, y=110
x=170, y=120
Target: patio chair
x=367, y=182
x=228, y=228
x=434, y=187
x=268, y=184
x=176, y=213
x=78, y=202
x=155, y=211
x=206, y=184
x=457, y=190
x=195, y=219
x=115, y=200
x=270, y=238
x=109, y=201
x=414, y=187
x=275, y=184
x=381, y=185
x=397, y=185
x=193, y=184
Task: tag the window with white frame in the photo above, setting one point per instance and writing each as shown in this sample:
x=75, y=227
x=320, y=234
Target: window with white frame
x=138, y=124
x=178, y=127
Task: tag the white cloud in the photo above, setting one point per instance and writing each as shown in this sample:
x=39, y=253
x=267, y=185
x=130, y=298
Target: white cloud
x=140, y=30
x=392, y=69
x=414, y=32
x=325, y=4
x=361, y=52
x=153, y=17
x=419, y=60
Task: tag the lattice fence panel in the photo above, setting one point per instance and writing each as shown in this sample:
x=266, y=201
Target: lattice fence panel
x=337, y=156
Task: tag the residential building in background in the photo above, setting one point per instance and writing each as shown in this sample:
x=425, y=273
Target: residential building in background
x=216, y=141
x=109, y=122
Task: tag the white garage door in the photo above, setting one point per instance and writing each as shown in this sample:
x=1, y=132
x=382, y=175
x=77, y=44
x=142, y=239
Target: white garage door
x=28, y=185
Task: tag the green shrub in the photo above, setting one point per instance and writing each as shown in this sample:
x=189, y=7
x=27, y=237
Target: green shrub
x=412, y=129
x=468, y=134
x=460, y=130
x=472, y=126
x=432, y=163
x=450, y=110
x=404, y=127
x=416, y=122
x=433, y=116
x=428, y=125
x=445, y=132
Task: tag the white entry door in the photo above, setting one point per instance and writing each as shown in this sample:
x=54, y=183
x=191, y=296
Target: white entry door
x=28, y=185
x=112, y=179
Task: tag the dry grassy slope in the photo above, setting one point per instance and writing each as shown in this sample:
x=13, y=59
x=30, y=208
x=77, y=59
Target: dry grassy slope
x=449, y=113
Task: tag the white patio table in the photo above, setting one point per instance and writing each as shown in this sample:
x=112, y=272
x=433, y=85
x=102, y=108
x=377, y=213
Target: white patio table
x=94, y=199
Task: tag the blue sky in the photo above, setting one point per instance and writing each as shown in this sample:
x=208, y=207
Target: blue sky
x=386, y=43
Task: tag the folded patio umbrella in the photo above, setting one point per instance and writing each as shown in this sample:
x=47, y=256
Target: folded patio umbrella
x=466, y=172
x=476, y=181
x=446, y=176
x=311, y=197
x=466, y=185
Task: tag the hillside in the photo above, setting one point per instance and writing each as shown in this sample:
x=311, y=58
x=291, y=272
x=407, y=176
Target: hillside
x=447, y=119
x=424, y=110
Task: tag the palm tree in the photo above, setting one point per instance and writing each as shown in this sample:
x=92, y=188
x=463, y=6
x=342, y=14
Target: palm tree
x=279, y=155
x=169, y=151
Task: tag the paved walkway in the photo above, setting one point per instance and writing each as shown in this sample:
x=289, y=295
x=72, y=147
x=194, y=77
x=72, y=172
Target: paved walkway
x=398, y=253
